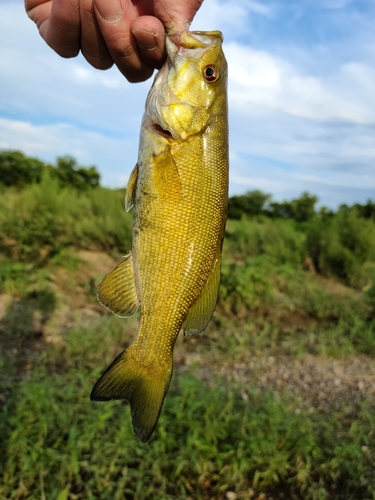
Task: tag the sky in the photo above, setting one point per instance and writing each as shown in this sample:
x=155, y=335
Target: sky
x=301, y=98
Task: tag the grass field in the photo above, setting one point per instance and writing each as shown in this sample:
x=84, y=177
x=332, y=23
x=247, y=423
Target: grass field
x=275, y=400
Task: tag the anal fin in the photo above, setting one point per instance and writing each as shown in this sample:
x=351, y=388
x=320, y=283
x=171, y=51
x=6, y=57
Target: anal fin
x=201, y=312
x=117, y=292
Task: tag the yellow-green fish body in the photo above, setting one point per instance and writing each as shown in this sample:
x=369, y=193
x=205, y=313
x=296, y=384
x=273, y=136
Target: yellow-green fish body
x=179, y=191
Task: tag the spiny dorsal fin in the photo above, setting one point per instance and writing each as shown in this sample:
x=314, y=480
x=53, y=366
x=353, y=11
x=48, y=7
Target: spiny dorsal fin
x=117, y=291
x=131, y=189
x=201, y=312
x=143, y=386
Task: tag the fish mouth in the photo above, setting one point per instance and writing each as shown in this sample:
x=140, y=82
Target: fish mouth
x=179, y=42
x=162, y=131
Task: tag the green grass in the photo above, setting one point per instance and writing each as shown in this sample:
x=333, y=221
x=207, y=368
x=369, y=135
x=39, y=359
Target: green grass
x=209, y=440
x=213, y=436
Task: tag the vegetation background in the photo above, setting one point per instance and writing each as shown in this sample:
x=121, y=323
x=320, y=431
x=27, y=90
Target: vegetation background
x=274, y=400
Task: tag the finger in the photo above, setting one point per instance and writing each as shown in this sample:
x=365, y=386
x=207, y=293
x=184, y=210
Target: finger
x=59, y=24
x=176, y=15
x=38, y=10
x=93, y=46
x=150, y=36
x=114, y=20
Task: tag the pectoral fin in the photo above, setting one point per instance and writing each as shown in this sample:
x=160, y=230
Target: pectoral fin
x=201, y=312
x=117, y=291
x=131, y=189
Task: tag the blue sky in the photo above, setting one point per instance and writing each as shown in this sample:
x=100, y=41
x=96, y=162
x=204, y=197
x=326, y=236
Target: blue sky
x=301, y=98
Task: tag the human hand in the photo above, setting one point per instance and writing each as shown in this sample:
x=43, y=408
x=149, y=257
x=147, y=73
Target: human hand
x=128, y=33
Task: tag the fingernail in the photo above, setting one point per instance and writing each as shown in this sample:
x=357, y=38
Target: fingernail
x=145, y=39
x=109, y=10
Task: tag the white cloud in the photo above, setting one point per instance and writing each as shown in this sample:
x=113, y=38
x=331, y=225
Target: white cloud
x=260, y=78
x=230, y=16
x=224, y=16
x=338, y=180
x=80, y=74
x=265, y=184
x=267, y=10
x=114, y=157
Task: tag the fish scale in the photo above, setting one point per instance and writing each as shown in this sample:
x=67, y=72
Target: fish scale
x=179, y=190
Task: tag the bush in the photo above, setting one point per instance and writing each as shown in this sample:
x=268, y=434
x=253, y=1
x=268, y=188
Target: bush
x=43, y=219
x=245, y=286
x=280, y=240
x=340, y=246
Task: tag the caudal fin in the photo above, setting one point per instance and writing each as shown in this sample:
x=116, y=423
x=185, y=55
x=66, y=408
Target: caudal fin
x=143, y=386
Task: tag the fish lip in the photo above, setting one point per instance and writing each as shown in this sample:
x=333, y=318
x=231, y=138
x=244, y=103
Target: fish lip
x=179, y=40
x=193, y=42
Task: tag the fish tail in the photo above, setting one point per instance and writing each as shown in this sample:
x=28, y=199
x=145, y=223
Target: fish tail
x=144, y=386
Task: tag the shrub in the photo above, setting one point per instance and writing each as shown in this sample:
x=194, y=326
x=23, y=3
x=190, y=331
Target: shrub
x=43, y=219
x=280, y=240
x=245, y=286
x=341, y=245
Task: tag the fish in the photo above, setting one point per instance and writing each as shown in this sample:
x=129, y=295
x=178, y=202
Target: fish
x=179, y=192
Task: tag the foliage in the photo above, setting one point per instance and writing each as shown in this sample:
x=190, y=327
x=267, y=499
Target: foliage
x=245, y=286
x=19, y=170
x=280, y=240
x=16, y=169
x=251, y=203
x=70, y=174
x=366, y=211
x=44, y=219
x=302, y=209
x=257, y=203
x=341, y=245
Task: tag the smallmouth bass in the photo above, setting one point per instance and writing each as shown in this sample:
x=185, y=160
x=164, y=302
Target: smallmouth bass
x=179, y=191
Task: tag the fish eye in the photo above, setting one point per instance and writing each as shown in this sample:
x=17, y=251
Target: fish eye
x=211, y=73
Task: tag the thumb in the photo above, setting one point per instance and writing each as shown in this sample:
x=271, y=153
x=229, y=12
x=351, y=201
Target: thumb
x=176, y=14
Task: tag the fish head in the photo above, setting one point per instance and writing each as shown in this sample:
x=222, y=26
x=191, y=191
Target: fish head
x=189, y=85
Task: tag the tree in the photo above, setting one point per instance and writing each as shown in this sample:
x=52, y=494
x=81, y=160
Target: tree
x=251, y=203
x=18, y=170
x=70, y=174
x=366, y=211
x=302, y=209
